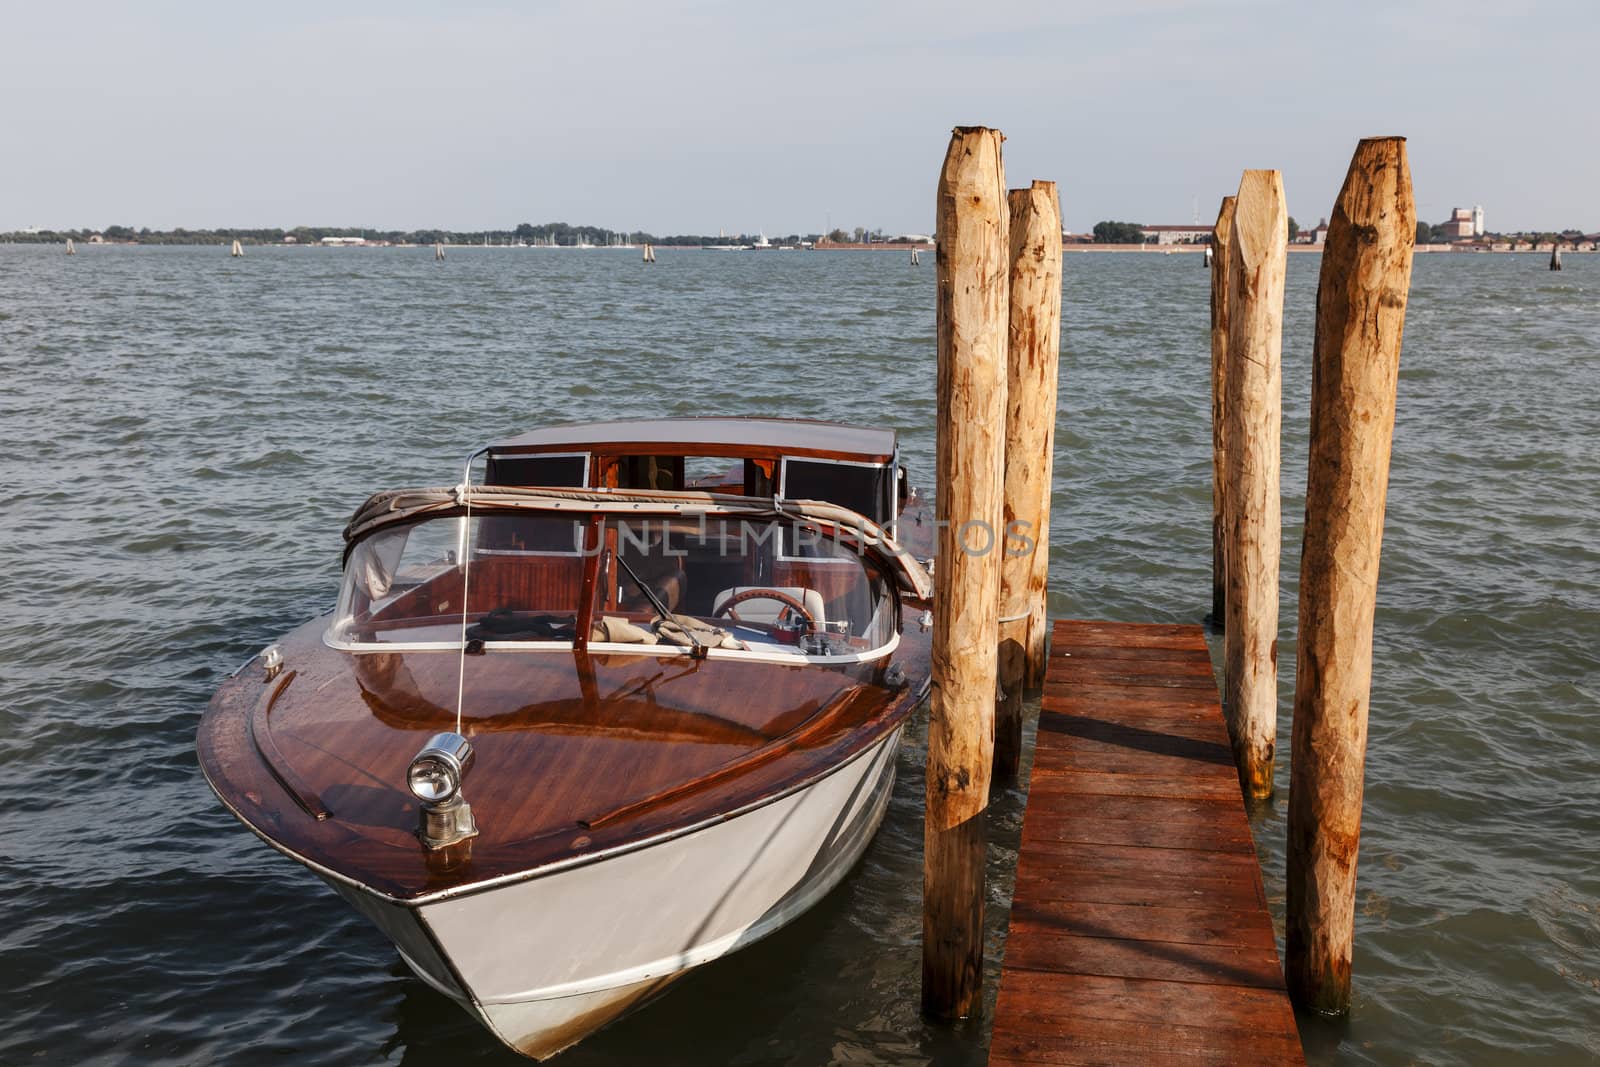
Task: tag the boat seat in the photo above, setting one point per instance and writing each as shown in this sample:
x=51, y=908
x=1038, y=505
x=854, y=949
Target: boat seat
x=764, y=611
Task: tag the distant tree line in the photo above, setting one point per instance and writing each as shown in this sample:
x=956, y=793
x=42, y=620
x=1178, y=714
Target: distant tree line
x=1119, y=233
x=1132, y=233
x=567, y=235
x=558, y=233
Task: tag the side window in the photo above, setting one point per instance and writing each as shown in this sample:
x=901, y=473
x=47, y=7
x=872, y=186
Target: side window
x=566, y=470
x=864, y=487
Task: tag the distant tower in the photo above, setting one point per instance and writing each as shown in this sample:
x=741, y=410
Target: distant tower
x=1477, y=221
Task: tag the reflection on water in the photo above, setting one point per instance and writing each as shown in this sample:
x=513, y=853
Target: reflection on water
x=186, y=434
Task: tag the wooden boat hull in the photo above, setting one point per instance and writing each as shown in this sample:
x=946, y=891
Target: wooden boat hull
x=546, y=960
x=641, y=800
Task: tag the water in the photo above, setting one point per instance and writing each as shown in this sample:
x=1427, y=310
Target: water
x=184, y=435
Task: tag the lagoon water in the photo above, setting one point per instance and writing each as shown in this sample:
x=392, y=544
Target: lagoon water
x=184, y=434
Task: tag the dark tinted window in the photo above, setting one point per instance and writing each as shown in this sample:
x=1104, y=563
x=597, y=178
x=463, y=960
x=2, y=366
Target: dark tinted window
x=860, y=488
x=554, y=471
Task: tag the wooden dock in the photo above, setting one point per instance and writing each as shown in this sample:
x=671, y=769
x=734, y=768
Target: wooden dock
x=1139, y=929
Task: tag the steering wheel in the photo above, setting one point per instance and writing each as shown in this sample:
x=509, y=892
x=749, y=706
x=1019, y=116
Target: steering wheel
x=762, y=593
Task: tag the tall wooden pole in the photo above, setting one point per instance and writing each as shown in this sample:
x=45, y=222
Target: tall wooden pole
x=1221, y=240
x=1253, y=415
x=973, y=289
x=1032, y=361
x=1361, y=310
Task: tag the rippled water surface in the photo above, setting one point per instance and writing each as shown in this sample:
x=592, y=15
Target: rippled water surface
x=184, y=435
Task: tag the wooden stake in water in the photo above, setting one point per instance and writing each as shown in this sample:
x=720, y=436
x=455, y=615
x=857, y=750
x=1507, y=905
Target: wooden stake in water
x=1555, y=255
x=1033, y=355
x=1221, y=239
x=973, y=289
x=1253, y=416
x=1361, y=311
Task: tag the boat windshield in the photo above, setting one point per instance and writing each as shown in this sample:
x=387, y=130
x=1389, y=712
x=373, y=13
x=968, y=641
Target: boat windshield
x=732, y=585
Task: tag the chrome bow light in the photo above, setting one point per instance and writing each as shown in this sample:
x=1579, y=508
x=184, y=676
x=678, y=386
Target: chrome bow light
x=434, y=778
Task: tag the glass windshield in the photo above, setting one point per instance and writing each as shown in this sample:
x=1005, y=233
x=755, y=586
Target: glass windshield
x=724, y=583
x=405, y=584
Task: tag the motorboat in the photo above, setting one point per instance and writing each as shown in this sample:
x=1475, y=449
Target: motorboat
x=624, y=699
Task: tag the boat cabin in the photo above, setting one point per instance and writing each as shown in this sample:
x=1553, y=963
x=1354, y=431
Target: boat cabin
x=546, y=555
x=794, y=459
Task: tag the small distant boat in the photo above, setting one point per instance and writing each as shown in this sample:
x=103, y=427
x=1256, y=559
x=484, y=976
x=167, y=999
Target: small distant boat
x=237, y=250
x=71, y=251
x=683, y=697
x=762, y=244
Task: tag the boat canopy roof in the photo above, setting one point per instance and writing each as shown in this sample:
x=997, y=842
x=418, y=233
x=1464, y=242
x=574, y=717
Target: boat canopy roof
x=392, y=507
x=709, y=436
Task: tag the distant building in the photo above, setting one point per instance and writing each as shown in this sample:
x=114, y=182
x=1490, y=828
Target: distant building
x=335, y=242
x=290, y=239
x=1313, y=236
x=1177, y=235
x=1463, y=222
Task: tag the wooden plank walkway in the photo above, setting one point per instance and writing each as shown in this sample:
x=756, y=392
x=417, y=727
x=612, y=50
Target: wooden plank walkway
x=1139, y=929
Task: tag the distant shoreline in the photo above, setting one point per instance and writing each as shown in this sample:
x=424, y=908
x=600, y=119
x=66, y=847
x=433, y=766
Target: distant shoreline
x=1070, y=248
x=1162, y=250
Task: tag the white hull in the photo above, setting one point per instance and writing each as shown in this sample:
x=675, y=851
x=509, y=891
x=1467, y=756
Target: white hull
x=546, y=961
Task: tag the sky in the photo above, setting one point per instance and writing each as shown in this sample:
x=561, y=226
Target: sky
x=704, y=116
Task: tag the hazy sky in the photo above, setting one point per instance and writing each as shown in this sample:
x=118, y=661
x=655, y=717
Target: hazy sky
x=695, y=117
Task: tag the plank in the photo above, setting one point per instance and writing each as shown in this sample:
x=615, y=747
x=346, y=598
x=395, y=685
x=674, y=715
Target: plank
x=1188, y=925
x=1067, y=633
x=1134, y=749
x=1139, y=929
x=1043, y=1039
x=1149, y=822
x=1142, y=1002
x=1084, y=720
x=1234, y=965
x=1123, y=693
x=1076, y=780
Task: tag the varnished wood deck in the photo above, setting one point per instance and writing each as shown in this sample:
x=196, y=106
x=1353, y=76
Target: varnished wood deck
x=1139, y=931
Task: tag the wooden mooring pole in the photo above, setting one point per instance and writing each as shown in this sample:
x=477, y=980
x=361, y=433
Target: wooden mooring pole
x=1217, y=260
x=1361, y=308
x=1032, y=364
x=1253, y=415
x=973, y=289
